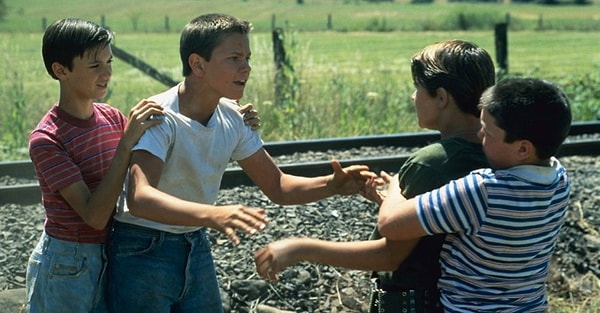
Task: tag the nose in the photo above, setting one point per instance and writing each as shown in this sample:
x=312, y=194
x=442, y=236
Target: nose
x=107, y=70
x=246, y=67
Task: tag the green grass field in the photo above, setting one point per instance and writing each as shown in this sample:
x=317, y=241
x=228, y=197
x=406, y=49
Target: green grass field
x=346, y=15
x=367, y=71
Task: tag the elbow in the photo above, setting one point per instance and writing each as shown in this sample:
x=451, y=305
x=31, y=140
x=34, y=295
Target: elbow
x=134, y=207
x=98, y=223
x=98, y=226
x=277, y=198
x=385, y=227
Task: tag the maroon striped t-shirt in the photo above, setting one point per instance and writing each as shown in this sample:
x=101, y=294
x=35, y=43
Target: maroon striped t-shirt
x=65, y=150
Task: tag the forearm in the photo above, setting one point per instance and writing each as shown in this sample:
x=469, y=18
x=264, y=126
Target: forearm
x=102, y=200
x=300, y=190
x=152, y=204
x=369, y=255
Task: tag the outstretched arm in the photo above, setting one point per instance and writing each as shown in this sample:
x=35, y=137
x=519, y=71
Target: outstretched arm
x=369, y=255
x=286, y=189
x=146, y=201
x=398, y=219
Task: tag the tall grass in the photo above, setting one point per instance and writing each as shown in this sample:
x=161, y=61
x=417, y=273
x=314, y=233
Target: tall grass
x=345, y=84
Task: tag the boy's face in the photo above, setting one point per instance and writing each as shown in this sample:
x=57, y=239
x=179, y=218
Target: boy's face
x=90, y=75
x=499, y=153
x=229, y=67
x=426, y=107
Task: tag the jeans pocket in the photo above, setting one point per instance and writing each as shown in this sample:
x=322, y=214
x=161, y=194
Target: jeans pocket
x=124, y=245
x=67, y=266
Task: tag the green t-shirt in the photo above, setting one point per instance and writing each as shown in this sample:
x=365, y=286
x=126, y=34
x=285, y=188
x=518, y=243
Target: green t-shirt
x=429, y=168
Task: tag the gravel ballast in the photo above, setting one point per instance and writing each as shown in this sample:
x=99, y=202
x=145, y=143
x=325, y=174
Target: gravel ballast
x=307, y=287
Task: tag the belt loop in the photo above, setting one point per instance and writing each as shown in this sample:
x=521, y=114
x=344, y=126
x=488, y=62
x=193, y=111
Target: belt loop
x=412, y=302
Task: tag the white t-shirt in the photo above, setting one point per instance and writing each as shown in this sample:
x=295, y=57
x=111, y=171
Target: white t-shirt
x=195, y=156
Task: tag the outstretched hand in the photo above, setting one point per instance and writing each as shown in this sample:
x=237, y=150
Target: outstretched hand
x=138, y=121
x=274, y=258
x=393, y=182
x=227, y=219
x=250, y=115
x=373, y=186
x=351, y=179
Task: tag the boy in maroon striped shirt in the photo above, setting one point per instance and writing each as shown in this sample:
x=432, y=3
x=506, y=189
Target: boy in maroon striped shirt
x=80, y=150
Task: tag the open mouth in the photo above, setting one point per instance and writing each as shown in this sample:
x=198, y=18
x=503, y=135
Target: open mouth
x=240, y=82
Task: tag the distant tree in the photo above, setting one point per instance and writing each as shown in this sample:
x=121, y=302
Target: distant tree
x=2, y=10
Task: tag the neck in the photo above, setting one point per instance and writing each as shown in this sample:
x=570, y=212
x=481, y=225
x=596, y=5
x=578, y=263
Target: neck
x=468, y=135
x=194, y=106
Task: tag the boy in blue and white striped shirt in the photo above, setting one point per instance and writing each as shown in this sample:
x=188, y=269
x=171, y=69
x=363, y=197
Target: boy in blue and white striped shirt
x=502, y=222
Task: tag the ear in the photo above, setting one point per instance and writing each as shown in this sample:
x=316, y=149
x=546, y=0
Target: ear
x=59, y=70
x=197, y=63
x=442, y=97
x=526, y=150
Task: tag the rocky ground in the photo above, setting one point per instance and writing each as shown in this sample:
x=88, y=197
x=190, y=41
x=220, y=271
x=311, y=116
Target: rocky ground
x=575, y=274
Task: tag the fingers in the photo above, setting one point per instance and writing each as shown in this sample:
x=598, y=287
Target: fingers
x=337, y=167
x=250, y=116
x=265, y=265
x=138, y=121
x=251, y=119
x=263, y=261
x=245, y=108
x=247, y=220
x=230, y=233
x=387, y=178
x=144, y=109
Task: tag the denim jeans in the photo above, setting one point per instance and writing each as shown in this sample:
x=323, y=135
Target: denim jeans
x=160, y=272
x=65, y=276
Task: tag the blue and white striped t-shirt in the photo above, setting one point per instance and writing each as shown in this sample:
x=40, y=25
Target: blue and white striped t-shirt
x=503, y=226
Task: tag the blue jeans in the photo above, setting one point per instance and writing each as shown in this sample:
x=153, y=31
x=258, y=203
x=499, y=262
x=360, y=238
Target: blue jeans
x=160, y=272
x=65, y=276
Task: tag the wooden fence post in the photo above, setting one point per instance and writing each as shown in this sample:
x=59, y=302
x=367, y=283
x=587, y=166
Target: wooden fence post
x=501, y=41
x=272, y=22
x=279, y=59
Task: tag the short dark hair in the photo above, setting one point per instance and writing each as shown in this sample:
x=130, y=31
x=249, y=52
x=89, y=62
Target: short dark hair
x=460, y=67
x=203, y=33
x=531, y=109
x=68, y=38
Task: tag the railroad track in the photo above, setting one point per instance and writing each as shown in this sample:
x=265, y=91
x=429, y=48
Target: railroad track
x=29, y=193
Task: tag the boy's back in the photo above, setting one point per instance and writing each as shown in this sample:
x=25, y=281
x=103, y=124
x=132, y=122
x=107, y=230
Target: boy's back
x=502, y=227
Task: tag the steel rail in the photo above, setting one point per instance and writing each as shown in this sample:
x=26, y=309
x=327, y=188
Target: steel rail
x=29, y=193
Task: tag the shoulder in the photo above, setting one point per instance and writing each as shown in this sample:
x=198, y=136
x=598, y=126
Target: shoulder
x=449, y=153
x=230, y=109
x=166, y=98
x=228, y=104
x=105, y=107
x=109, y=113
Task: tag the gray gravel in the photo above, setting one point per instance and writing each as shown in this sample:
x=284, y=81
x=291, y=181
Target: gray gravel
x=319, y=288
